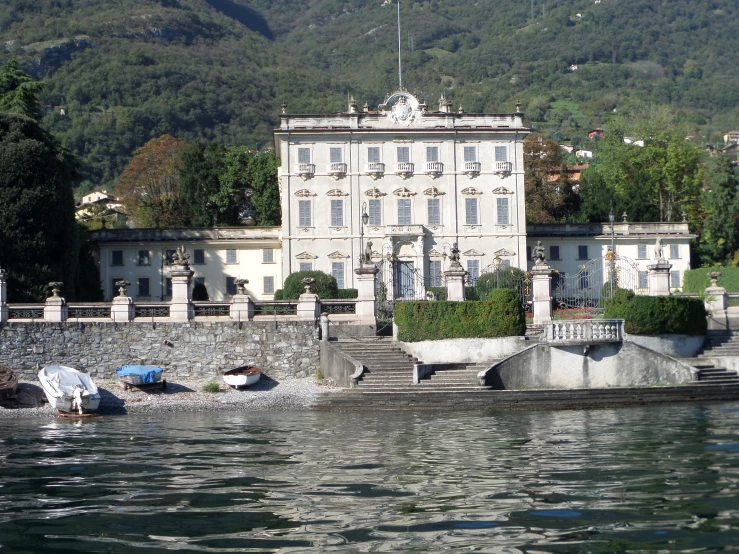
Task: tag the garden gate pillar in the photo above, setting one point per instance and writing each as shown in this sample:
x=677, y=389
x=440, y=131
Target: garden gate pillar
x=180, y=307
x=3, y=296
x=716, y=301
x=309, y=307
x=366, y=309
x=55, y=308
x=455, y=283
x=541, y=277
x=659, y=278
x=122, y=309
x=242, y=306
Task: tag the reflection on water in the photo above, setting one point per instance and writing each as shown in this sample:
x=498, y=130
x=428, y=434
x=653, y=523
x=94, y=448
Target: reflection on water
x=590, y=481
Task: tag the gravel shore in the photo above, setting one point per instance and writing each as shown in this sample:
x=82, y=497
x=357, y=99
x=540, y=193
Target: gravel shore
x=183, y=396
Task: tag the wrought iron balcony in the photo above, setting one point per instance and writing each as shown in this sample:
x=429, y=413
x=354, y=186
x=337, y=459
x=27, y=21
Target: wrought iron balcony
x=375, y=169
x=471, y=168
x=306, y=170
x=404, y=169
x=503, y=167
x=337, y=169
x=433, y=168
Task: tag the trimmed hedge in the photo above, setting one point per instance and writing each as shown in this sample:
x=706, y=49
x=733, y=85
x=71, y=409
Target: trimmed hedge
x=325, y=285
x=500, y=316
x=658, y=315
x=696, y=280
x=342, y=294
x=347, y=293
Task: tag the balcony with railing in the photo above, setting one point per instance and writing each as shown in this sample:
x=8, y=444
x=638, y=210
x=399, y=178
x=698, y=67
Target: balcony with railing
x=503, y=167
x=471, y=168
x=404, y=169
x=375, y=169
x=336, y=169
x=305, y=170
x=584, y=331
x=433, y=168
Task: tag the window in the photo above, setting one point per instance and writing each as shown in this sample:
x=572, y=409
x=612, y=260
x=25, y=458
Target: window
x=432, y=153
x=168, y=287
x=675, y=279
x=641, y=251
x=305, y=266
x=373, y=154
x=502, y=204
x=230, y=285
x=230, y=256
x=470, y=210
x=675, y=252
x=404, y=154
x=582, y=252
x=303, y=155
x=404, y=211
x=304, y=213
x=554, y=252
x=268, y=284
x=501, y=154
x=198, y=281
x=435, y=273
x=528, y=252
x=375, y=212
x=198, y=256
x=143, y=257
x=470, y=153
x=337, y=272
x=335, y=155
x=168, y=256
x=268, y=256
x=473, y=268
x=143, y=286
x=337, y=213
x=584, y=279
x=116, y=257
x=643, y=281
x=434, y=210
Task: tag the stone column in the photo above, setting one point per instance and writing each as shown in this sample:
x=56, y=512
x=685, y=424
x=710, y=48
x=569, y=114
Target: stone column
x=324, y=327
x=455, y=283
x=716, y=301
x=3, y=296
x=56, y=307
x=242, y=306
x=659, y=277
x=541, y=276
x=366, y=309
x=180, y=307
x=309, y=307
x=122, y=309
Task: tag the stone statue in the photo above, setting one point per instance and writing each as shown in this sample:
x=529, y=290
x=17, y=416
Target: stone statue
x=538, y=254
x=122, y=284
x=56, y=287
x=368, y=253
x=454, y=256
x=658, y=253
x=180, y=257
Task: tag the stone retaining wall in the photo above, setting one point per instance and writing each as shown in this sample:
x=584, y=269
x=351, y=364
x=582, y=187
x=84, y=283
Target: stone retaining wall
x=282, y=350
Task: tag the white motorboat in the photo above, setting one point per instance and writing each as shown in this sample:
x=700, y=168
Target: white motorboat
x=242, y=376
x=68, y=389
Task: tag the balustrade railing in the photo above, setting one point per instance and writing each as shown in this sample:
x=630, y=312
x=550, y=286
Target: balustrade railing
x=404, y=168
x=211, y=309
x=276, y=307
x=26, y=311
x=339, y=307
x=88, y=311
x=153, y=309
x=433, y=168
x=337, y=168
x=584, y=331
x=471, y=167
x=375, y=168
x=503, y=167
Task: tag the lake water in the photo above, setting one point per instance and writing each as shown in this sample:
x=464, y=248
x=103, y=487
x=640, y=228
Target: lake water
x=637, y=479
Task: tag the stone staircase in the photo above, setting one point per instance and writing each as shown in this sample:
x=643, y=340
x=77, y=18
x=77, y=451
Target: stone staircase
x=718, y=344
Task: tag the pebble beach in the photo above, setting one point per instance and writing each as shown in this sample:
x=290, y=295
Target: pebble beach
x=183, y=396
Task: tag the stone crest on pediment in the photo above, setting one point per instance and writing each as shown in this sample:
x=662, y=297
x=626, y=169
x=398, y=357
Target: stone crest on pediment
x=306, y=256
x=502, y=190
x=337, y=192
x=472, y=252
x=433, y=191
x=304, y=193
x=374, y=192
x=471, y=191
x=404, y=192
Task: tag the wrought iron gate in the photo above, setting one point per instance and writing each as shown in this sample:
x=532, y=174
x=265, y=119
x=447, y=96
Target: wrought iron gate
x=499, y=276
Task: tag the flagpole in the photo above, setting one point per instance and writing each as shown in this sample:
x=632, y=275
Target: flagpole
x=400, y=65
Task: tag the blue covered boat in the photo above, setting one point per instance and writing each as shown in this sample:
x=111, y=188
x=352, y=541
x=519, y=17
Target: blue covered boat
x=138, y=375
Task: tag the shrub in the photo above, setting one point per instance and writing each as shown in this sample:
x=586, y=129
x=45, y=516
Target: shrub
x=347, y=293
x=696, y=280
x=200, y=293
x=325, y=285
x=658, y=315
x=279, y=294
x=438, y=292
x=470, y=293
x=505, y=277
x=211, y=386
x=500, y=316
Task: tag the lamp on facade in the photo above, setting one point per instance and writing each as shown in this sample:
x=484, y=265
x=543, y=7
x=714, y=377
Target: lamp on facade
x=365, y=220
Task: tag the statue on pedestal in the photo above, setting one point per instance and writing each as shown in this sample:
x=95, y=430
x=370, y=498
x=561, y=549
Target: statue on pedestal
x=658, y=252
x=454, y=256
x=180, y=257
x=538, y=254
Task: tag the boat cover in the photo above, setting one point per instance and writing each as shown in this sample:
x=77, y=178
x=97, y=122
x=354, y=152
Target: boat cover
x=147, y=373
x=64, y=379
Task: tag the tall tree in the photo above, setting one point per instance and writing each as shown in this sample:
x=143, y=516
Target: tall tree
x=19, y=91
x=38, y=235
x=150, y=186
x=718, y=237
x=200, y=171
x=549, y=194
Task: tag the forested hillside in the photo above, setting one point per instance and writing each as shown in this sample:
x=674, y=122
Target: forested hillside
x=126, y=71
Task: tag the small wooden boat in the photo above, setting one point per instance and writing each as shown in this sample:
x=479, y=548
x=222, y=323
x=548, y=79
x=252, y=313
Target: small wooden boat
x=8, y=382
x=242, y=376
x=140, y=376
x=69, y=390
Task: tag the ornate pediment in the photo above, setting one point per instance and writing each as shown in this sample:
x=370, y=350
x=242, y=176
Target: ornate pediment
x=374, y=192
x=304, y=193
x=471, y=191
x=434, y=253
x=433, y=191
x=472, y=252
x=504, y=252
x=337, y=255
x=306, y=256
x=404, y=192
x=502, y=190
x=337, y=192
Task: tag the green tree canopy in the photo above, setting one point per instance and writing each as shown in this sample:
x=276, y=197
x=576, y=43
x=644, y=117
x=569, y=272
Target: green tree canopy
x=718, y=238
x=18, y=91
